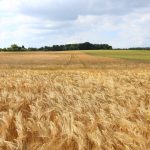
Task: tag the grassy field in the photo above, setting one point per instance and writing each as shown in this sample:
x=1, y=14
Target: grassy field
x=138, y=55
x=73, y=101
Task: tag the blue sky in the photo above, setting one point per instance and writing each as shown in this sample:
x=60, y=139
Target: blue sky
x=120, y=23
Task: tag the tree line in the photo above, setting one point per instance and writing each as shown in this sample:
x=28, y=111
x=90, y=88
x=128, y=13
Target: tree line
x=133, y=48
x=139, y=48
x=66, y=47
x=79, y=46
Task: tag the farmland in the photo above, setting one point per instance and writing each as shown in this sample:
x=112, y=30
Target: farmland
x=75, y=59
x=74, y=101
x=134, y=55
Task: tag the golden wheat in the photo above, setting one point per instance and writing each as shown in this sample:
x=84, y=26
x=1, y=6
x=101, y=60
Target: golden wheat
x=75, y=110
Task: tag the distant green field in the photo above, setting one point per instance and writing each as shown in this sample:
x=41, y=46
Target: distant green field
x=137, y=55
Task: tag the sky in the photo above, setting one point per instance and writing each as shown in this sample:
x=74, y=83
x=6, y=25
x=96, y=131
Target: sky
x=36, y=23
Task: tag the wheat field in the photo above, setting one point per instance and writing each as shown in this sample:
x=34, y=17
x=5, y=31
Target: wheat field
x=75, y=109
x=73, y=101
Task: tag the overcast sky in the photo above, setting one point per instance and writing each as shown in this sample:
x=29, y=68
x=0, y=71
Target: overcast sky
x=120, y=23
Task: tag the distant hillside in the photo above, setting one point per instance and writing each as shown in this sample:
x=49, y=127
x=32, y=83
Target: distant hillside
x=79, y=46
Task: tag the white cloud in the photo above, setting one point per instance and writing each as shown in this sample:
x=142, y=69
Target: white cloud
x=36, y=23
